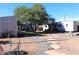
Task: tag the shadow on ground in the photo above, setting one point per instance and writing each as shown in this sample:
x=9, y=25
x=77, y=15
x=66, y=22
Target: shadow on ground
x=30, y=34
x=4, y=42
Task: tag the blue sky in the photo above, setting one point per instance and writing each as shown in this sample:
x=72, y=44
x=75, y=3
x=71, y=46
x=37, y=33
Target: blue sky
x=56, y=10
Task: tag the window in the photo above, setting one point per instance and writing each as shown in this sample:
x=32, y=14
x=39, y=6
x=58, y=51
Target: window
x=66, y=25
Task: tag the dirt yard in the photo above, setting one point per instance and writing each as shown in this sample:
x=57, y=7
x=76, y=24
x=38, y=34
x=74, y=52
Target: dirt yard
x=69, y=45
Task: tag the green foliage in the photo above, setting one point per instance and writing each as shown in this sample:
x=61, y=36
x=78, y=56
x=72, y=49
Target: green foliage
x=53, y=20
x=37, y=14
x=38, y=8
x=21, y=13
x=40, y=13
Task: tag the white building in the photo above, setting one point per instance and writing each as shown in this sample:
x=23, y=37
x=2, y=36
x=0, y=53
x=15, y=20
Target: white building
x=68, y=26
x=45, y=27
x=8, y=24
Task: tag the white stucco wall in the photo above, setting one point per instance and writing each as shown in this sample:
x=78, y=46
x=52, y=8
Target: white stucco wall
x=69, y=27
x=8, y=24
x=45, y=27
x=72, y=26
x=75, y=26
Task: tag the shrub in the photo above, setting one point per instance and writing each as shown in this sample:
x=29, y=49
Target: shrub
x=5, y=34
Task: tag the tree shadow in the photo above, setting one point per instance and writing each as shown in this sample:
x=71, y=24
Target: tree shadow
x=77, y=34
x=16, y=53
x=30, y=34
x=4, y=42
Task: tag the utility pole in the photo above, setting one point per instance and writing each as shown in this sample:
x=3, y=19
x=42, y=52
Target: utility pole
x=65, y=18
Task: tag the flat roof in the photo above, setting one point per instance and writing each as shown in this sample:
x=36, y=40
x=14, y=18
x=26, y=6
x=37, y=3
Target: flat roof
x=6, y=16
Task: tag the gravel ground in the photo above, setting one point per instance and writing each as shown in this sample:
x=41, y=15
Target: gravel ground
x=68, y=46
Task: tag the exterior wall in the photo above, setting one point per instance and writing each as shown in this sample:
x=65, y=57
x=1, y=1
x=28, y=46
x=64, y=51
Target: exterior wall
x=60, y=28
x=67, y=26
x=75, y=26
x=8, y=24
x=45, y=27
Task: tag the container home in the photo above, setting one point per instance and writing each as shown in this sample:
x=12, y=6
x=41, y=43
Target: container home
x=8, y=24
x=68, y=26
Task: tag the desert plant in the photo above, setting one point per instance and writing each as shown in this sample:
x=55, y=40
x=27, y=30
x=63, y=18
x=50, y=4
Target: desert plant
x=5, y=34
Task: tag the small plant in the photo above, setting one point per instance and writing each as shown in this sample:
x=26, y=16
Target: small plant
x=4, y=34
